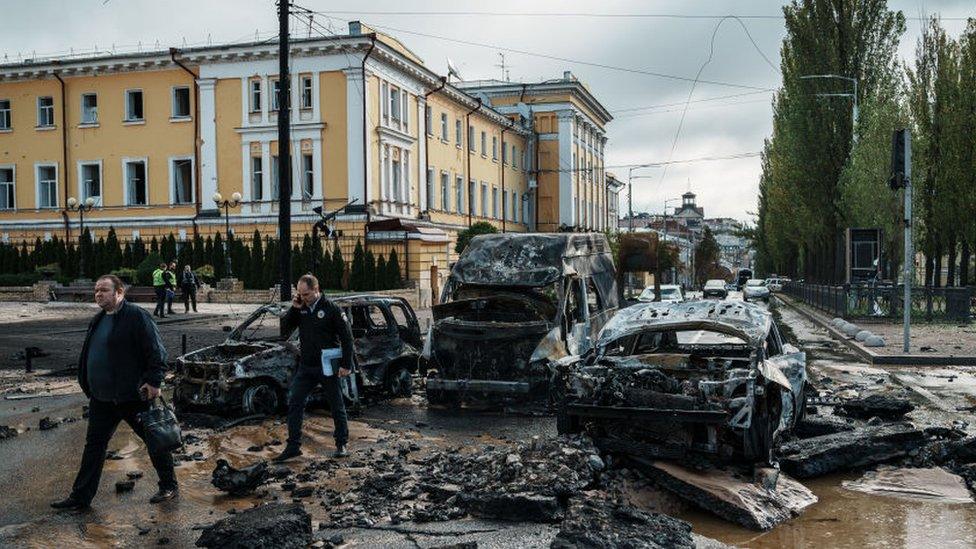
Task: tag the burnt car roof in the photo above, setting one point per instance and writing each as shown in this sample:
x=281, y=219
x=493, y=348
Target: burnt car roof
x=364, y=298
x=535, y=259
x=746, y=320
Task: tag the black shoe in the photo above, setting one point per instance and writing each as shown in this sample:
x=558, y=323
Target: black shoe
x=340, y=451
x=164, y=494
x=288, y=453
x=70, y=504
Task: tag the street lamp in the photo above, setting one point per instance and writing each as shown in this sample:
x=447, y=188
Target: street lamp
x=235, y=201
x=630, y=190
x=851, y=95
x=666, y=201
x=81, y=207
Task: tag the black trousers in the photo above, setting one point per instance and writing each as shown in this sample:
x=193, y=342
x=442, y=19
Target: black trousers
x=190, y=294
x=103, y=418
x=304, y=382
x=170, y=294
x=160, y=309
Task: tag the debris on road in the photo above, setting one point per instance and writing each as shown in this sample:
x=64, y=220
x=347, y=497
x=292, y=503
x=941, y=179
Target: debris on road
x=595, y=522
x=239, y=482
x=817, y=426
x=279, y=525
x=47, y=423
x=733, y=496
x=886, y=407
x=929, y=483
x=124, y=486
x=813, y=457
x=8, y=432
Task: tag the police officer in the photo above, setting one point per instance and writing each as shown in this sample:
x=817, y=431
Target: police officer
x=321, y=325
x=159, y=285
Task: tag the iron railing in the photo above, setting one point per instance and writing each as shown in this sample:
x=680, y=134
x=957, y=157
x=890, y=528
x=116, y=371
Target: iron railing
x=881, y=301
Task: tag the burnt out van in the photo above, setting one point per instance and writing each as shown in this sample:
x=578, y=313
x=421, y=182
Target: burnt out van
x=512, y=304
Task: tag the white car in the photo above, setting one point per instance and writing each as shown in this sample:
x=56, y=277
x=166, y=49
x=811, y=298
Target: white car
x=670, y=293
x=755, y=289
x=776, y=284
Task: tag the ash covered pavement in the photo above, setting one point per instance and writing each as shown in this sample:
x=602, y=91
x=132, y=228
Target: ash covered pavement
x=419, y=477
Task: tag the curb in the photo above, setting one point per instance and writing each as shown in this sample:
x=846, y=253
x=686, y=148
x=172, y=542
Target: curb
x=875, y=358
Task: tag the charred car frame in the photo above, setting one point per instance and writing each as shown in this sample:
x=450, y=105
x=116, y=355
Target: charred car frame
x=675, y=380
x=251, y=370
x=512, y=304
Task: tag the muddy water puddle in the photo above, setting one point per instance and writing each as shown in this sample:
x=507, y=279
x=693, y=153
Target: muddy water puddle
x=846, y=518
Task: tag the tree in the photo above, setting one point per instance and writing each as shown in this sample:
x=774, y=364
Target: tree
x=154, y=246
x=464, y=237
x=393, y=276
x=218, y=258
x=338, y=267
x=357, y=273
x=255, y=276
x=382, y=282
x=707, y=256
x=369, y=271
x=139, y=251
x=87, y=252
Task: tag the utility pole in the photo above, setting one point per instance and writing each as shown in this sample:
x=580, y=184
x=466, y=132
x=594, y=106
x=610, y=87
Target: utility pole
x=284, y=154
x=901, y=177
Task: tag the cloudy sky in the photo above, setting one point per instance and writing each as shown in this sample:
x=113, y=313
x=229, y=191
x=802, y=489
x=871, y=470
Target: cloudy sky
x=647, y=108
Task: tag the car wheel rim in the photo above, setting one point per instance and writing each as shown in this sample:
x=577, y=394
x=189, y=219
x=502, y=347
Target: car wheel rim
x=260, y=399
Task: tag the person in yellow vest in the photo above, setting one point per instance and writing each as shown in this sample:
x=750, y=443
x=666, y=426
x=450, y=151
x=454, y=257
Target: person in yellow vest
x=159, y=284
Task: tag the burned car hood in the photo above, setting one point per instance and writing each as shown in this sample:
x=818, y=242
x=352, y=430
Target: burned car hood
x=745, y=320
x=524, y=259
x=487, y=309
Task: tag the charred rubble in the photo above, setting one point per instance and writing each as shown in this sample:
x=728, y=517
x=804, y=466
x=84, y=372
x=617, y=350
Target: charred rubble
x=239, y=482
x=286, y=526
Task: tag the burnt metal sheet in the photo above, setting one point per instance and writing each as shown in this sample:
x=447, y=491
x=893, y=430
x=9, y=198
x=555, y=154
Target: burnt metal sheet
x=746, y=320
x=626, y=412
x=535, y=259
x=478, y=385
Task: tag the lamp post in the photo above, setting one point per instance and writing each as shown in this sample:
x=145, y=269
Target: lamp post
x=851, y=95
x=666, y=201
x=81, y=207
x=630, y=190
x=235, y=201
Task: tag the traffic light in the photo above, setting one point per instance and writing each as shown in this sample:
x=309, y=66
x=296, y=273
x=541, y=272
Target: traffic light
x=899, y=159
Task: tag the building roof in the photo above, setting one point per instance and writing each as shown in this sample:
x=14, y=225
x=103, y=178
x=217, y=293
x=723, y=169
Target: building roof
x=569, y=83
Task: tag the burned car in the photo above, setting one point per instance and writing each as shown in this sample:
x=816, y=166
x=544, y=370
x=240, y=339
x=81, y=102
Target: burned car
x=672, y=380
x=513, y=303
x=251, y=370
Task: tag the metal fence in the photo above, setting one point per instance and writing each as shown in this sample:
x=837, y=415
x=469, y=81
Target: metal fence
x=886, y=301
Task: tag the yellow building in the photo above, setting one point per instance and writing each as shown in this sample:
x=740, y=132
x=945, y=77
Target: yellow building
x=152, y=137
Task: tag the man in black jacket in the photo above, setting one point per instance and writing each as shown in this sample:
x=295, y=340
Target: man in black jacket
x=321, y=325
x=120, y=370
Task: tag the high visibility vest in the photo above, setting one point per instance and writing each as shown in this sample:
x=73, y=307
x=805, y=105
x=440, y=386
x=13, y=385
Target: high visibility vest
x=158, y=278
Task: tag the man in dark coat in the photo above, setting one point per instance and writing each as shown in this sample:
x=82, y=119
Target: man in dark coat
x=120, y=370
x=321, y=325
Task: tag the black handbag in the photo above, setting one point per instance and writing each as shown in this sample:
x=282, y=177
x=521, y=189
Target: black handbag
x=160, y=427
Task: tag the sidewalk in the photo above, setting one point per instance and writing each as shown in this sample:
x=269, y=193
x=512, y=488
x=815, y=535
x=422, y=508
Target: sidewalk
x=943, y=344
x=11, y=312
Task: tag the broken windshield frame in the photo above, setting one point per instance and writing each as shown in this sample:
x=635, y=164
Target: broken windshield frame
x=262, y=325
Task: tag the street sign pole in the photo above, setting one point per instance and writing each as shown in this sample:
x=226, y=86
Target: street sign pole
x=909, y=254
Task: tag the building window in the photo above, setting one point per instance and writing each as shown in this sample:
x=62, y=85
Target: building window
x=91, y=182
x=308, y=177
x=89, y=108
x=484, y=199
x=484, y=144
x=430, y=190
x=45, y=111
x=306, y=92
x=6, y=188
x=182, y=170
x=428, y=119
x=133, y=105
x=135, y=183
x=471, y=138
x=4, y=114
x=275, y=182
x=275, y=90
x=444, y=126
x=514, y=207
x=257, y=183
x=504, y=153
x=405, y=110
x=445, y=192
x=47, y=186
x=494, y=148
x=395, y=186
x=514, y=158
x=494, y=202
x=395, y=105
x=255, y=95
x=181, y=102
x=525, y=212
x=459, y=194
x=385, y=101
x=458, y=138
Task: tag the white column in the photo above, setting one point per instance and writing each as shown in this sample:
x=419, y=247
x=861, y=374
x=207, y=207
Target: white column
x=316, y=112
x=567, y=212
x=422, y=152
x=208, y=145
x=265, y=99
x=357, y=172
x=266, y=175
x=318, y=187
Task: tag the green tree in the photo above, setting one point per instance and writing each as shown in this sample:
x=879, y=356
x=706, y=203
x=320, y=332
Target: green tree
x=113, y=251
x=218, y=258
x=707, y=256
x=369, y=271
x=382, y=283
x=393, y=277
x=357, y=273
x=464, y=237
x=255, y=277
x=338, y=265
x=154, y=246
x=87, y=252
x=270, y=264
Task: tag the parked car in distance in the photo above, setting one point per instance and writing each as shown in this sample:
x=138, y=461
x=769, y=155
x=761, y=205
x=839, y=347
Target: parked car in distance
x=670, y=293
x=249, y=373
x=715, y=288
x=755, y=289
x=776, y=284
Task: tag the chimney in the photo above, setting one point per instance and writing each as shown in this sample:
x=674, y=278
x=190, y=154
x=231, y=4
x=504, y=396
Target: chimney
x=355, y=28
x=568, y=75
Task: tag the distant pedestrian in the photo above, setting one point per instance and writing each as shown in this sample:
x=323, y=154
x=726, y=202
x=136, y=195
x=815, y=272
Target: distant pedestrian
x=120, y=370
x=159, y=285
x=189, y=282
x=321, y=325
x=170, y=277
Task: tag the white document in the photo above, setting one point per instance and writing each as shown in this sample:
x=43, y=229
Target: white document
x=329, y=359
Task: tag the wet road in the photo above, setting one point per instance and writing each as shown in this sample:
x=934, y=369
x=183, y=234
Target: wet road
x=38, y=467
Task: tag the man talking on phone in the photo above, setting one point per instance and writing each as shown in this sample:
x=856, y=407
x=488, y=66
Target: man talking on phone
x=321, y=326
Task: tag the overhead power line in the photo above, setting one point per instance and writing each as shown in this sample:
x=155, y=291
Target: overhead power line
x=595, y=15
x=559, y=58
x=680, y=103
